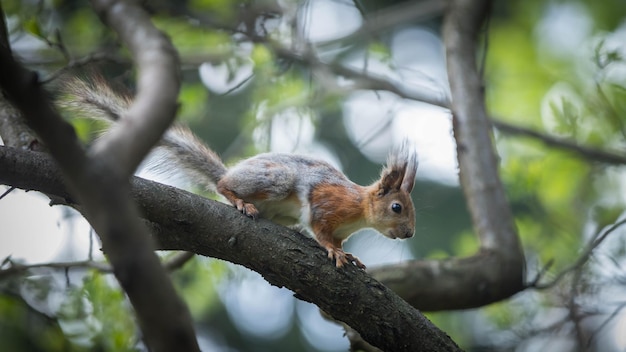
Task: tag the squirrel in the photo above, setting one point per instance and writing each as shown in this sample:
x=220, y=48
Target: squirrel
x=285, y=188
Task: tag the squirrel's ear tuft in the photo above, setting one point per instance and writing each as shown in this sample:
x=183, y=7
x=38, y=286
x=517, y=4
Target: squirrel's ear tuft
x=409, y=175
x=399, y=174
x=390, y=180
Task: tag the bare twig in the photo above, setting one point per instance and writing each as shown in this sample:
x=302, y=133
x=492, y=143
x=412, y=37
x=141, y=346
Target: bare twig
x=16, y=268
x=178, y=260
x=83, y=61
x=362, y=79
x=574, y=309
x=238, y=85
x=411, y=11
x=612, y=316
x=588, y=153
x=584, y=256
x=542, y=272
x=365, y=80
x=5, y=193
x=13, y=268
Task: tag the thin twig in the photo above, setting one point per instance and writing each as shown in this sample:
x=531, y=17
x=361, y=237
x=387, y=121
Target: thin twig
x=237, y=86
x=605, y=323
x=582, y=259
x=574, y=308
x=83, y=61
x=588, y=153
x=380, y=21
x=542, y=272
x=9, y=190
x=15, y=268
x=174, y=263
x=363, y=80
x=178, y=260
x=483, y=58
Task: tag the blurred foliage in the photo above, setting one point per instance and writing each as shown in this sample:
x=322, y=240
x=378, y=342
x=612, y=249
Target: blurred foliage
x=25, y=329
x=94, y=315
x=196, y=283
x=559, y=199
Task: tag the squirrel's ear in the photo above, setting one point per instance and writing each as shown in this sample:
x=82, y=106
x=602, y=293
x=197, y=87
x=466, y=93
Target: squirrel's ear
x=399, y=174
x=408, y=181
x=391, y=179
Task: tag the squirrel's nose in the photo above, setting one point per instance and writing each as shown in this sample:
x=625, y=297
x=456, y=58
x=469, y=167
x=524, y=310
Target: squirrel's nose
x=400, y=233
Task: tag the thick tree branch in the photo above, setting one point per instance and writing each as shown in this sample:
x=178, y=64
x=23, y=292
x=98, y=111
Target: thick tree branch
x=478, y=165
x=13, y=129
x=102, y=189
x=183, y=221
x=497, y=271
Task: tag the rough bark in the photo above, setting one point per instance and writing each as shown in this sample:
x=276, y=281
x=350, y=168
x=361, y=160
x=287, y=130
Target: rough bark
x=13, y=128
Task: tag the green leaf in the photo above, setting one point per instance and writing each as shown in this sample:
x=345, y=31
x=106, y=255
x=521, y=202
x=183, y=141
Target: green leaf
x=32, y=26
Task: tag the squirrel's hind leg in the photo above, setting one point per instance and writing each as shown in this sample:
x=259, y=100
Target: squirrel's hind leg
x=247, y=209
x=251, y=182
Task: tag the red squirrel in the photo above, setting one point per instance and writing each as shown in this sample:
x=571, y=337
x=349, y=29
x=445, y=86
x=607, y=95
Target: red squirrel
x=285, y=188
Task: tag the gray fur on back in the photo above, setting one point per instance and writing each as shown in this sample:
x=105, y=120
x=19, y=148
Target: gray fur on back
x=279, y=174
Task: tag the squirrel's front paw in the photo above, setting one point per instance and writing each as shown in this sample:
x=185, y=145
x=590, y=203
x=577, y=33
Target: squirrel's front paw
x=342, y=258
x=355, y=260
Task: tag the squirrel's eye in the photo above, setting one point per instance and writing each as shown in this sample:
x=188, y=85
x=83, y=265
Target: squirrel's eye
x=396, y=207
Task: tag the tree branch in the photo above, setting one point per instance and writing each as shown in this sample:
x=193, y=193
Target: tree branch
x=102, y=188
x=497, y=271
x=364, y=80
x=407, y=12
x=13, y=268
x=584, y=256
x=183, y=221
x=13, y=129
x=16, y=268
x=591, y=154
x=155, y=104
x=477, y=160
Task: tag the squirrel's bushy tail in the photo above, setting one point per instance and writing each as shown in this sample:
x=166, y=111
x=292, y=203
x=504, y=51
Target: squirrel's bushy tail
x=179, y=149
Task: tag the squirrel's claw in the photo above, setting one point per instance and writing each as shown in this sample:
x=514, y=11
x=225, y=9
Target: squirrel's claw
x=355, y=260
x=247, y=209
x=342, y=258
